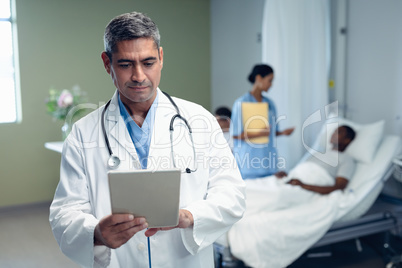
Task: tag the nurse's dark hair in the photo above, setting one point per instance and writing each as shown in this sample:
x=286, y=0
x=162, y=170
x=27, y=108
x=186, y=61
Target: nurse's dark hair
x=129, y=26
x=350, y=133
x=261, y=69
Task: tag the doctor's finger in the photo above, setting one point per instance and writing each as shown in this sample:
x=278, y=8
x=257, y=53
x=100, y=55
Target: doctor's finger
x=135, y=229
x=117, y=219
x=115, y=240
x=121, y=227
x=152, y=231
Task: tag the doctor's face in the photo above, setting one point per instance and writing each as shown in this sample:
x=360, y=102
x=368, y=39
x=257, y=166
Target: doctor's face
x=135, y=70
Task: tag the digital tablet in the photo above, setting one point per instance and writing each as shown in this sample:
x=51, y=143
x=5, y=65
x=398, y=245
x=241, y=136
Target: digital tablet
x=154, y=195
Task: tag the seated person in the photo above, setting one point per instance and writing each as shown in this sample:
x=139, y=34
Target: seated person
x=223, y=114
x=338, y=164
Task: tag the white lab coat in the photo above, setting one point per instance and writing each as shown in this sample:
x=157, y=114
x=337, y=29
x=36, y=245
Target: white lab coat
x=214, y=194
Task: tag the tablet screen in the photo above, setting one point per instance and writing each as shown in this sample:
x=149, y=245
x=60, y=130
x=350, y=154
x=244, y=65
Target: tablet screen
x=154, y=195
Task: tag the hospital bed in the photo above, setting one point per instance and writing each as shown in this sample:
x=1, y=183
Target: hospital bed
x=368, y=215
x=374, y=215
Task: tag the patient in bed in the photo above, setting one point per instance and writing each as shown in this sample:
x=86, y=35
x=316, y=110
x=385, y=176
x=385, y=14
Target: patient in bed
x=333, y=169
x=222, y=115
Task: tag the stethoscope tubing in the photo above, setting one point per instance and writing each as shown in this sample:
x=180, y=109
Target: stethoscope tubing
x=114, y=161
x=104, y=129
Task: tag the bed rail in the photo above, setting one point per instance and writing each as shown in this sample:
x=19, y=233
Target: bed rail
x=367, y=225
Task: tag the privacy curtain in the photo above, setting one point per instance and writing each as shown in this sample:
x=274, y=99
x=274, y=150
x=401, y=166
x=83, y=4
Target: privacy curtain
x=296, y=43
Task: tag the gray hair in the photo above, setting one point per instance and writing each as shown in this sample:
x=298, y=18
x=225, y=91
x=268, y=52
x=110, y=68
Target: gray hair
x=129, y=26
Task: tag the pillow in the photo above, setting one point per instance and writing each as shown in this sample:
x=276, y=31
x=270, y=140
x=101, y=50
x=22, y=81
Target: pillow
x=368, y=137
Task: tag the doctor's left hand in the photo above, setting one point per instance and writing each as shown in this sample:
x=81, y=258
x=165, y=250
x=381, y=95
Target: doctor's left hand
x=115, y=230
x=185, y=220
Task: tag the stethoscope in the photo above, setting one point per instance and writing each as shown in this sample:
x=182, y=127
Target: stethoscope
x=114, y=161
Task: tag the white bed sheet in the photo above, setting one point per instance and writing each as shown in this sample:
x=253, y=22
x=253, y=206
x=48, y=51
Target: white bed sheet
x=267, y=237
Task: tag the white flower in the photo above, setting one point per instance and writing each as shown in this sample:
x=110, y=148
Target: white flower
x=66, y=99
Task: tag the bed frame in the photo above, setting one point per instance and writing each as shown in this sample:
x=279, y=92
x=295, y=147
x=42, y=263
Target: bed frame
x=370, y=217
x=383, y=217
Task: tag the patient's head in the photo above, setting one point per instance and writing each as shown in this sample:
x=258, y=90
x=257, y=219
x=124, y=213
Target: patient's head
x=223, y=115
x=342, y=137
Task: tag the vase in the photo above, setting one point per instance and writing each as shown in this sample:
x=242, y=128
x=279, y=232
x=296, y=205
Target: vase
x=65, y=130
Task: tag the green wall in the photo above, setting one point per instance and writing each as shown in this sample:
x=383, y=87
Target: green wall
x=60, y=43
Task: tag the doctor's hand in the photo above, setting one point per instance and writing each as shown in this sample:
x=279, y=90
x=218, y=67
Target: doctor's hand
x=115, y=230
x=185, y=220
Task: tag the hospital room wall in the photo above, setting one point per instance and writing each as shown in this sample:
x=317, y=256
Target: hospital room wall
x=59, y=45
x=235, y=47
x=374, y=63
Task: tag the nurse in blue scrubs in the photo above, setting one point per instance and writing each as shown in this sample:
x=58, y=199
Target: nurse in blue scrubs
x=256, y=160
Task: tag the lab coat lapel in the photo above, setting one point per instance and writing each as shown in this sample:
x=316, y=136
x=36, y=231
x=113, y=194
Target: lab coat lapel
x=119, y=138
x=159, y=152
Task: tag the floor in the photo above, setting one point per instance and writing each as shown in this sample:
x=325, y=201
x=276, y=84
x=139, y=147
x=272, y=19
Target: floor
x=26, y=239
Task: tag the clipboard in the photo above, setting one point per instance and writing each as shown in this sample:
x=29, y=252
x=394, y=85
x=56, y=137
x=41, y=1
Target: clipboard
x=154, y=195
x=255, y=118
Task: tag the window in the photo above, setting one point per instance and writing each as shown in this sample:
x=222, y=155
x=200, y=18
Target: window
x=9, y=78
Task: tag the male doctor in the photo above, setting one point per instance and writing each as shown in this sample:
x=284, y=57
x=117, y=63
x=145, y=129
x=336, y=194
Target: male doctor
x=137, y=124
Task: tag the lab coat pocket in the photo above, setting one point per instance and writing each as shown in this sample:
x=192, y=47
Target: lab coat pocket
x=190, y=186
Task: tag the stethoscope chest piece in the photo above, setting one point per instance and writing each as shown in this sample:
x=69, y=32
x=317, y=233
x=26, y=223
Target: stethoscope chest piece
x=113, y=162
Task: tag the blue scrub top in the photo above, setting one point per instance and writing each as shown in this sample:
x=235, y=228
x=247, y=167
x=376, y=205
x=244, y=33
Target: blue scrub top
x=141, y=136
x=254, y=160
